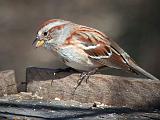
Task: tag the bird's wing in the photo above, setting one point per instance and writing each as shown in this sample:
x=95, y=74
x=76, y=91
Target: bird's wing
x=104, y=50
x=99, y=47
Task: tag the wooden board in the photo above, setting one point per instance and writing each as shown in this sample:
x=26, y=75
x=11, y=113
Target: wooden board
x=67, y=110
x=111, y=90
x=7, y=82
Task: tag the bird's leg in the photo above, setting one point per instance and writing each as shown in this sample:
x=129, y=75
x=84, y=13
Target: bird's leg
x=85, y=76
x=92, y=72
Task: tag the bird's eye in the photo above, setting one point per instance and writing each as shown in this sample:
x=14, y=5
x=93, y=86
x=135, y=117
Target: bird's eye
x=45, y=33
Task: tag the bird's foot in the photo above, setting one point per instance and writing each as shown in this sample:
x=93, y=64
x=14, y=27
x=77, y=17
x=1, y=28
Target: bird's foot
x=85, y=76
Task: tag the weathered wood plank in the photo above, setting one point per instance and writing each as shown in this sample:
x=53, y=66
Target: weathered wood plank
x=61, y=110
x=7, y=82
x=110, y=90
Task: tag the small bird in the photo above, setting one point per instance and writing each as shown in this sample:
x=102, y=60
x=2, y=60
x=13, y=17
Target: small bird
x=84, y=48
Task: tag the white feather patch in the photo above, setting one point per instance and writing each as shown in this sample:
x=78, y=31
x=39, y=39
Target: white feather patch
x=88, y=47
x=51, y=25
x=100, y=57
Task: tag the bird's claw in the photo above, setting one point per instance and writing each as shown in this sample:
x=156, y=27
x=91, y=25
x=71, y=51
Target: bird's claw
x=85, y=76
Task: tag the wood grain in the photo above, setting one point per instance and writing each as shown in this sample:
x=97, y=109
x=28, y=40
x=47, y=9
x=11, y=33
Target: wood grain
x=111, y=90
x=7, y=82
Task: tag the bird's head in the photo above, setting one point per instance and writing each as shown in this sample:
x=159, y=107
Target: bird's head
x=49, y=33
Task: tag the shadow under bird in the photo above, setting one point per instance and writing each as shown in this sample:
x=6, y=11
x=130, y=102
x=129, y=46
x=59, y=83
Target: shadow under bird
x=84, y=48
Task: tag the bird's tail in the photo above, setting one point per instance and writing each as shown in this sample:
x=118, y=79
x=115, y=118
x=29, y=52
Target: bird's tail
x=135, y=68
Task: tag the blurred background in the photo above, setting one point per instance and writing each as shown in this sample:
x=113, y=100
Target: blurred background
x=133, y=24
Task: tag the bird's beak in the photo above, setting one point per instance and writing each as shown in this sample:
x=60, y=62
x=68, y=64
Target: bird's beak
x=38, y=43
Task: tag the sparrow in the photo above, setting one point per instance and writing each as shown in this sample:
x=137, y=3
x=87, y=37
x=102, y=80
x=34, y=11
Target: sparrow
x=84, y=48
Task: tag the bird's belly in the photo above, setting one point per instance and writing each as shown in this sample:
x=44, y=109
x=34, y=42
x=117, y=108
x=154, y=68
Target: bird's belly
x=80, y=66
x=76, y=59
